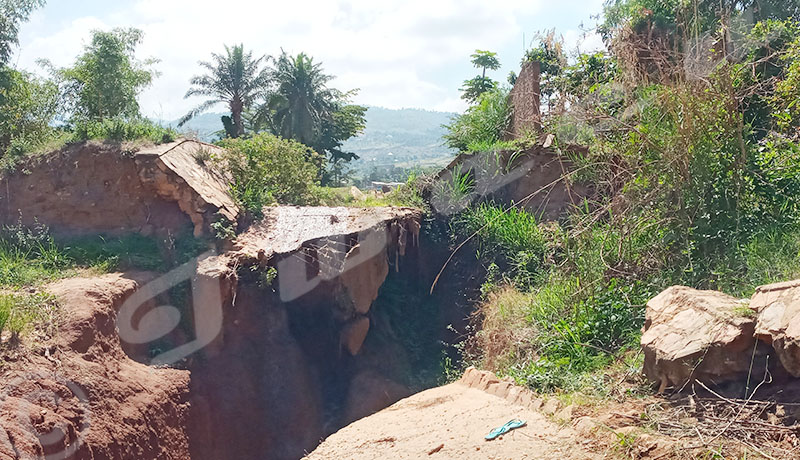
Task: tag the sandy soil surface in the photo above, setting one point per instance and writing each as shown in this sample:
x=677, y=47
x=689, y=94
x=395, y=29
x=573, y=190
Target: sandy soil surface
x=450, y=422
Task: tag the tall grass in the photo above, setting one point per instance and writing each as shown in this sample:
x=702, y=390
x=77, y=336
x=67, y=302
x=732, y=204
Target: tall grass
x=510, y=238
x=483, y=124
x=119, y=130
x=20, y=312
x=564, y=300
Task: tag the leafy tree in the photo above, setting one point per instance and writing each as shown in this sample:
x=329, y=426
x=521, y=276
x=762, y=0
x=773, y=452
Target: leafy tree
x=235, y=79
x=474, y=87
x=302, y=107
x=27, y=107
x=485, y=60
x=107, y=78
x=347, y=121
x=12, y=13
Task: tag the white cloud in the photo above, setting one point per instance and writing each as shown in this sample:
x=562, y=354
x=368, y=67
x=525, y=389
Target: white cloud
x=412, y=53
x=61, y=46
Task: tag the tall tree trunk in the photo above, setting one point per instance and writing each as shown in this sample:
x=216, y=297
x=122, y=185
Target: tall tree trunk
x=236, y=112
x=237, y=122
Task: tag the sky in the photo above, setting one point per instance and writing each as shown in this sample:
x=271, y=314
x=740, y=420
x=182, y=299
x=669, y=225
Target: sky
x=400, y=54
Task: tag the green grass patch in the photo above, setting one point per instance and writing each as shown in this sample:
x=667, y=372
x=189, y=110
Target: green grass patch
x=30, y=257
x=21, y=312
x=114, y=253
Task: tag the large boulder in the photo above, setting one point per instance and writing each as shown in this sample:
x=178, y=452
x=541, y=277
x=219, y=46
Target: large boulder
x=696, y=335
x=778, y=309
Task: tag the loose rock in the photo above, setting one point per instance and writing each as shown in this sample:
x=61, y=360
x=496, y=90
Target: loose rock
x=696, y=335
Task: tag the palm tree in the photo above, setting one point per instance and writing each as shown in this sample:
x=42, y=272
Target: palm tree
x=301, y=101
x=234, y=78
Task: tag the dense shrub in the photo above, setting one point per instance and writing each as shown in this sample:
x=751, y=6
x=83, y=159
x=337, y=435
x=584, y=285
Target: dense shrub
x=564, y=300
x=693, y=160
x=560, y=299
x=266, y=170
x=483, y=124
x=120, y=129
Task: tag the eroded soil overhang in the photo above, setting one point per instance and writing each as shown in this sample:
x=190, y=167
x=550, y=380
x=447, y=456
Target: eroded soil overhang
x=92, y=188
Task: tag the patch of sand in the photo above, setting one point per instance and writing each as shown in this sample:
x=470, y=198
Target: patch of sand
x=450, y=422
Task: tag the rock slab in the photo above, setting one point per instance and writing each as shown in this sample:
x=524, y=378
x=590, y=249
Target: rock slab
x=691, y=334
x=778, y=309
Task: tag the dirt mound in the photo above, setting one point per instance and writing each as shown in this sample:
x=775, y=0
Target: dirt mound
x=451, y=422
x=81, y=397
x=92, y=188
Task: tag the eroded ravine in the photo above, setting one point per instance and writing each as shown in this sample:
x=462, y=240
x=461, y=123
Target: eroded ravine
x=260, y=348
x=289, y=364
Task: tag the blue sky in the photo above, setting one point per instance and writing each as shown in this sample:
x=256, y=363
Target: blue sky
x=412, y=53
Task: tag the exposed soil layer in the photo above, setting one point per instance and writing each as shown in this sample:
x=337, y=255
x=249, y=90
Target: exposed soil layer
x=81, y=397
x=285, y=367
x=92, y=188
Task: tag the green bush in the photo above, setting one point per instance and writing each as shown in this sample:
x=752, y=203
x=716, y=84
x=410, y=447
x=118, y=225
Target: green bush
x=121, y=129
x=483, y=125
x=266, y=170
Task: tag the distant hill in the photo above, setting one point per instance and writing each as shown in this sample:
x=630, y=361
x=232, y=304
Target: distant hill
x=404, y=138
x=204, y=125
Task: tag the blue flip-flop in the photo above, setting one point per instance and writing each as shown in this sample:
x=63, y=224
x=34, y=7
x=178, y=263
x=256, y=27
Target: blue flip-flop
x=499, y=431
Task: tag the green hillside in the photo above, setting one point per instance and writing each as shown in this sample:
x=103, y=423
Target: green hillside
x=403, y=138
